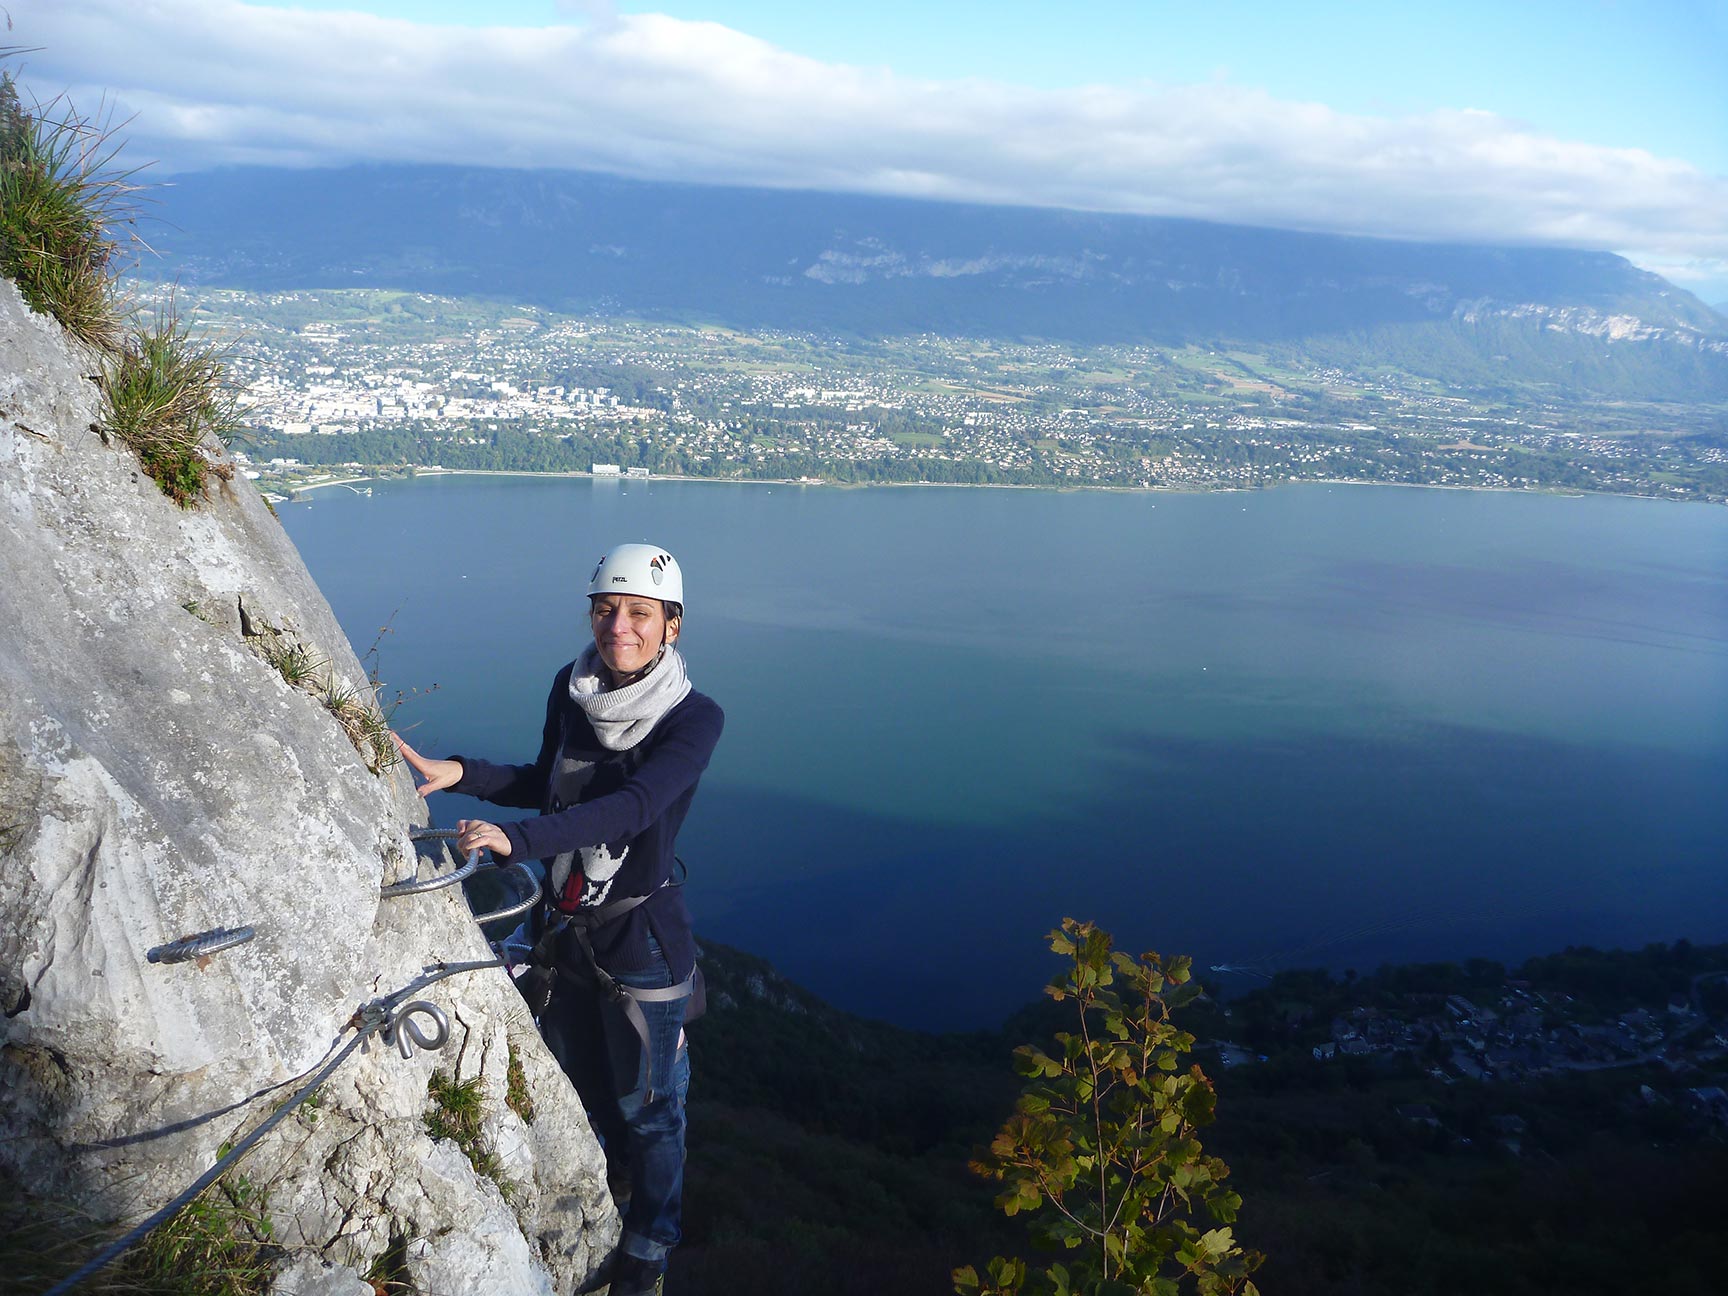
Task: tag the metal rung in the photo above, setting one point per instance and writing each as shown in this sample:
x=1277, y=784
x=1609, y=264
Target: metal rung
x=531, y=897
x=437, y=882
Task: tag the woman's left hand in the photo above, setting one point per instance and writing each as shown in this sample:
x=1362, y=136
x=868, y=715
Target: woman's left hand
x=477, y=834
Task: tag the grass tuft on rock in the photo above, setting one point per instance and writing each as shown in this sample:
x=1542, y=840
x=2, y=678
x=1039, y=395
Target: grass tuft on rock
x=60, y=202
x=291, y=660
x=358, y=714
x=355, y=710
x=455, y=1115
x=516, y=1095
x=169, y=398
x=220, y=1245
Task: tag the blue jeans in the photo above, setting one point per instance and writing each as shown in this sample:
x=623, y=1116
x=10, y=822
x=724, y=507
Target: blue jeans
x=603, y=1056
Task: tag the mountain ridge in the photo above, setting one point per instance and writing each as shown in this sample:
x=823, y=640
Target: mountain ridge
x=805, y=259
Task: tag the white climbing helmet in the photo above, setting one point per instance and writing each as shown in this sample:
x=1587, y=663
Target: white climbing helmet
x=642, y=569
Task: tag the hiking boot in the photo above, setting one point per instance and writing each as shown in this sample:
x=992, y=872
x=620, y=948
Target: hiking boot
x=636, y=1277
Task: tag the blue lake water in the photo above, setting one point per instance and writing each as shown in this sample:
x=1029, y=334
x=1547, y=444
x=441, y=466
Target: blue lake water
x=1315, y=725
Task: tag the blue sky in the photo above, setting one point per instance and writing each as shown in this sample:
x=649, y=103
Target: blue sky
x=1594, y=123
x=1650, y=75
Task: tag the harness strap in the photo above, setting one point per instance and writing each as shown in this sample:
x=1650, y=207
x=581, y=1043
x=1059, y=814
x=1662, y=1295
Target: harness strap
x=628, y=998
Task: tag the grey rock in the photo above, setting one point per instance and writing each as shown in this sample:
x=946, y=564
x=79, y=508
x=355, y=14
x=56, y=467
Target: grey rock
x=309, y=1276
x=158, y=778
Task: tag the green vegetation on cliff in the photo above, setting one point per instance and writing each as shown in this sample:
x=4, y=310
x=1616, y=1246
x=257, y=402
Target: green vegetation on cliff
x=65, y=217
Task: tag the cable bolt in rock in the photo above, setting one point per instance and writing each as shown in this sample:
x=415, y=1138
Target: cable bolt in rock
x=392, y=1014
x=188, y=948
x=396, y=1016
x=404, y=1032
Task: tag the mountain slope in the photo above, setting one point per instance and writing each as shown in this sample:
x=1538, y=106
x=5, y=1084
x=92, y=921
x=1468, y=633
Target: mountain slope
x=879, y=266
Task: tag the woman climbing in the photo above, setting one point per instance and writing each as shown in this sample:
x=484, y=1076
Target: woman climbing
x=625, y=742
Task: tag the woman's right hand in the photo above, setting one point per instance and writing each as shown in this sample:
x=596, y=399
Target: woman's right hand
x=439, y=774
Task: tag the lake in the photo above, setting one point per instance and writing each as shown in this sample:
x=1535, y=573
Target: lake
x=1318, y=725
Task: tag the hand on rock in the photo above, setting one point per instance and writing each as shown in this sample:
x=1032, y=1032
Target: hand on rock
x=439, y=774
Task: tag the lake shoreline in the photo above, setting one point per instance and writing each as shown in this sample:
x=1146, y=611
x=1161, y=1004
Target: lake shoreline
x=578, y=475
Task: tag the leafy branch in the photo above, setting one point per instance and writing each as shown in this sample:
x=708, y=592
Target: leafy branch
x=1103, y=1142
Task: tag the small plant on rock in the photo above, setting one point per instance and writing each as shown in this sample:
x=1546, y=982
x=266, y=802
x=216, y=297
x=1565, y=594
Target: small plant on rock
x=362, y=721
x=516, y=1095
x=455, y=1115
x=1102, y=1142
x=60, y=200
x=169, y=399
x=355, y=710
x=220, y=1245
x=167, y=393
x=291, y=660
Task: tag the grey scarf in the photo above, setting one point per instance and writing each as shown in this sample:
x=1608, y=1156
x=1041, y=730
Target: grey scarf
x=623, y=717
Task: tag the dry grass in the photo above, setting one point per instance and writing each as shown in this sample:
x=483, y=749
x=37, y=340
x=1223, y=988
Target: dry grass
x=358, y=714
x=516, y=1095
x=355, y=710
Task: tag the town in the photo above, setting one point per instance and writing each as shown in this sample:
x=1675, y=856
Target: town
x=1650, y=1026
x=338, y=383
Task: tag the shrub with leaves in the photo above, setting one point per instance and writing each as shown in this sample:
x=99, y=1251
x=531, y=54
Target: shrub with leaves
x=1102, y=1147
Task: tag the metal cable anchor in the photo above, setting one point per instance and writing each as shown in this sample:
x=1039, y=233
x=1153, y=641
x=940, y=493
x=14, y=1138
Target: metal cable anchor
x=404, y=1032
x=197, y=946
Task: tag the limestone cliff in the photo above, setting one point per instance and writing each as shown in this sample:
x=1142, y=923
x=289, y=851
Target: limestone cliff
x=157, y=778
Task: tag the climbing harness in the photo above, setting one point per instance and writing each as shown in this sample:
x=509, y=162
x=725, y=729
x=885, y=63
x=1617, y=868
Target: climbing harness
x=398, y=1018
x=579, y=926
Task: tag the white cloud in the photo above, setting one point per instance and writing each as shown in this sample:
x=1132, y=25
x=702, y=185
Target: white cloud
x=214, y=81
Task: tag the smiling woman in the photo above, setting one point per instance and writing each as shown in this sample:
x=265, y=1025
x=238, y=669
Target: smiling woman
x=612, y=977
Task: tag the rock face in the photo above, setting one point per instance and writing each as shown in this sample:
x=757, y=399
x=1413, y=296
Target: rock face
x=158, y=777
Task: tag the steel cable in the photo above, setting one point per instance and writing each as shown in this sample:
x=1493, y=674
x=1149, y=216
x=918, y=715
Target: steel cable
x=389, y=1014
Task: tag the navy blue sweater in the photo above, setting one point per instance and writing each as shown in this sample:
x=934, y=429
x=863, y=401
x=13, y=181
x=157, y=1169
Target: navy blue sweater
x=631, y=803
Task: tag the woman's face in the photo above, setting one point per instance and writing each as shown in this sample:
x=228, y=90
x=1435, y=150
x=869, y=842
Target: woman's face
x=628, y=630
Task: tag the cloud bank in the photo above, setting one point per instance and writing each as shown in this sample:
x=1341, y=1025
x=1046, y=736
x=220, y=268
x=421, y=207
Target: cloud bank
x=208, y=82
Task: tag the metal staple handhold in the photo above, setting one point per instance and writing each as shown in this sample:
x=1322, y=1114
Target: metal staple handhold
x=191, y=947
x=405, y=1032
x=419, y=885
x=531, y=897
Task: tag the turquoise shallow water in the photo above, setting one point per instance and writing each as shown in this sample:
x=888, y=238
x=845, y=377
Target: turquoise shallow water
x=1312, y=725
